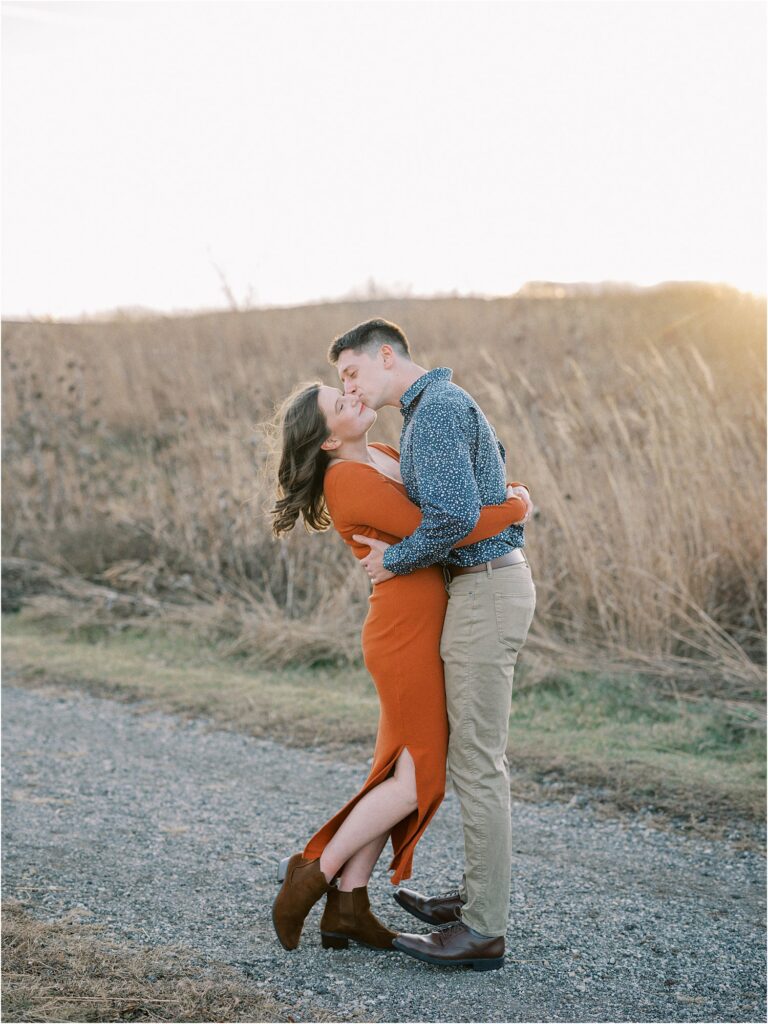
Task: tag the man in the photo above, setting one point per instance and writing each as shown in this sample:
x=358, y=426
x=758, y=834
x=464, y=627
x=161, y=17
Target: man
x=452, y=464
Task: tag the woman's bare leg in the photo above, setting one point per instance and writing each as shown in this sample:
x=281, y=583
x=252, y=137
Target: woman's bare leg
x=371, y=818
x=357, y=871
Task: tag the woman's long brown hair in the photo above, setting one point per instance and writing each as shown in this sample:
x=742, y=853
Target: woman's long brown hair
x=302, y=463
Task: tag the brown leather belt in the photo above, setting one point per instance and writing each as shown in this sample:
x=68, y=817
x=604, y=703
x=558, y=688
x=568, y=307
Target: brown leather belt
x=511, y=558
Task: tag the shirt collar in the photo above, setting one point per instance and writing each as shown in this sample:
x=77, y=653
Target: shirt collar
x=408, y=397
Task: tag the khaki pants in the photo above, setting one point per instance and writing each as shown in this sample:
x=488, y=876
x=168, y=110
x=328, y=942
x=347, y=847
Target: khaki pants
x=487, y=622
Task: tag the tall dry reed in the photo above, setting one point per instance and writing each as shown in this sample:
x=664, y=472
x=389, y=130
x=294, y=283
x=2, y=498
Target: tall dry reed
x=134, y=453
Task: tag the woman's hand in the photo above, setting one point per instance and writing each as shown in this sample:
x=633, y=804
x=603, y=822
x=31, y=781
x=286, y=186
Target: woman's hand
x=521, y=492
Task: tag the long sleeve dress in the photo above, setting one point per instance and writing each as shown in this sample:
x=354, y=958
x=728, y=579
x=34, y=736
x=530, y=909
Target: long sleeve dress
x=401, y=646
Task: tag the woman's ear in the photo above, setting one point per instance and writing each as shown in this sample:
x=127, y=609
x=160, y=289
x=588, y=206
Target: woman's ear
x=330, y=444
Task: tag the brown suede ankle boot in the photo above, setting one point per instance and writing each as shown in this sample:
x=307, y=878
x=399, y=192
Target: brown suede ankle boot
x=348, y=915
x=302, y=887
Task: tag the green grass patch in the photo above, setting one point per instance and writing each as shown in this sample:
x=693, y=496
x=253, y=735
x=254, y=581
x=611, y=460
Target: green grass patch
x=703, y=759
x=177, y=673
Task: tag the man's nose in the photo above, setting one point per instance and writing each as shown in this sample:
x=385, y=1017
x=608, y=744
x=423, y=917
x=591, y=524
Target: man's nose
x=349, y=387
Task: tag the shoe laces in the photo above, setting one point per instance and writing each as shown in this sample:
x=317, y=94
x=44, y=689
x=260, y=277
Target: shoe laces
x=447, y=893
x=451, y=929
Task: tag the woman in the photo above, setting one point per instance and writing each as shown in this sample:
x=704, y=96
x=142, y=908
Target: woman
x=329, y=473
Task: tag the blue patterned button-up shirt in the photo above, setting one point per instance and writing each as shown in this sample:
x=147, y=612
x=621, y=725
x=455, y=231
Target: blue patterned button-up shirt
x=452, y=463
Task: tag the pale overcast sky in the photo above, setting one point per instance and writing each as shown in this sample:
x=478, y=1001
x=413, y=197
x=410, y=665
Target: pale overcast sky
x=305, y=148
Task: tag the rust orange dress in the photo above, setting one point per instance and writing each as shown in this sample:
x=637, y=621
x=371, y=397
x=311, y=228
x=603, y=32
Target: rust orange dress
x=401, y=645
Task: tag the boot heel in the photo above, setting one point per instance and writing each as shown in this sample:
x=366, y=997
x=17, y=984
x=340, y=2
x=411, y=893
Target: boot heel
x=488, y=965
x=283, y=867
x=331, y=941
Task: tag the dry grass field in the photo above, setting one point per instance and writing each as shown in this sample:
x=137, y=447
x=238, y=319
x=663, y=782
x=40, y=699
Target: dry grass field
x=137, y=458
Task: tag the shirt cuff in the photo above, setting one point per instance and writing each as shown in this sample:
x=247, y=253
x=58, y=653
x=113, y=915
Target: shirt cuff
x=387, y=554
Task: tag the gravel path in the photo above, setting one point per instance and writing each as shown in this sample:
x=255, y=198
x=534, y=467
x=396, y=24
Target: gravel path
x=169, y=831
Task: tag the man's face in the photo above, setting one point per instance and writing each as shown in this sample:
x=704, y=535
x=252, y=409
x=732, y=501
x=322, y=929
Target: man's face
x=364, y=375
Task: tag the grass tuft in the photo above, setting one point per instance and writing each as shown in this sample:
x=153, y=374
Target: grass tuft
x=70, y=970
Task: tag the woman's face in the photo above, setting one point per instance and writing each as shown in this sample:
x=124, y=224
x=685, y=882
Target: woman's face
x=347, y=417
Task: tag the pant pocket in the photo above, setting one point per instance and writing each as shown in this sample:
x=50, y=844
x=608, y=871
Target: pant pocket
x=456, y=626
x=514, y=614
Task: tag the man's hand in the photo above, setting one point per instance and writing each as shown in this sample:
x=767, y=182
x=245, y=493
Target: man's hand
x=521, y=492
x=373, y=562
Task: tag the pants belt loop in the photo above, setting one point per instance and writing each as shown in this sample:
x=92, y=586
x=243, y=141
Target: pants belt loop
x=489, y=568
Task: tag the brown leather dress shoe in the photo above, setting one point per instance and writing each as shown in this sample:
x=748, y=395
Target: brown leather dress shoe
x=441, y=909
x=348, y=915
x=303, y=885
x=454, y=944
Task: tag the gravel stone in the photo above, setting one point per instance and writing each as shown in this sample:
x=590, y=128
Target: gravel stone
x=169, y=830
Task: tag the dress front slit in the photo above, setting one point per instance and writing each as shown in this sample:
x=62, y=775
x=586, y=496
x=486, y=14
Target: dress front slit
x=401, y=647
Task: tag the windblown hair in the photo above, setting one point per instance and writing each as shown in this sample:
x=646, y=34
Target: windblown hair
x=302, y=463
x=370, y=335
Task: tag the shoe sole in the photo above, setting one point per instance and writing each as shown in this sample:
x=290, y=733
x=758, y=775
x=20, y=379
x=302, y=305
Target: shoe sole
x=342, y=942
x=479, y=964
x=418, y=913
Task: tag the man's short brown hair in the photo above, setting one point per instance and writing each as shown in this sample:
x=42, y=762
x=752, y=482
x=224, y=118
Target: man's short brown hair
x=370, y=335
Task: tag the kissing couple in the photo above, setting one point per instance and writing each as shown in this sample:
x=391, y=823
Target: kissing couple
x=440, y=534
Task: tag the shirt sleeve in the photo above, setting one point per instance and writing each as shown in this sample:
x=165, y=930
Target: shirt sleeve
x=376, y=503
x=448, y=492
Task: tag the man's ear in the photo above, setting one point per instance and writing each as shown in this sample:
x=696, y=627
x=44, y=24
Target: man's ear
x=387, y=356
x=330, y=444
